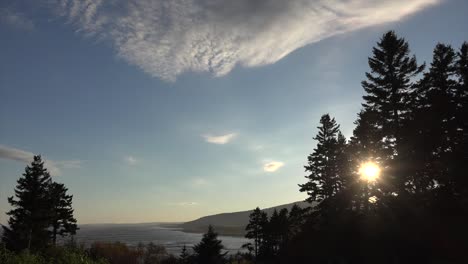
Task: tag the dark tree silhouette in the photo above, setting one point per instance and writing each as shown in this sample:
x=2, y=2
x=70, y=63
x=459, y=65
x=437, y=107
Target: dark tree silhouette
x=29, y=220
x=209, y=250
x=42, y=211
x=435, y=122
x=389, y=83
x=417, y=133
x=389, y=97
x=62, y=221
x=388, y=87
x=255, y=229
x=366, y=142
x=461, y=150
x=324, y=179
x=365, y=146
x=270, y=244
x=184, y=257
x=283, y=228
x=296, y=220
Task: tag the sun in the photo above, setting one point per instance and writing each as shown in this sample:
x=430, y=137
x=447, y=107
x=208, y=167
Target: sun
x=369, y=171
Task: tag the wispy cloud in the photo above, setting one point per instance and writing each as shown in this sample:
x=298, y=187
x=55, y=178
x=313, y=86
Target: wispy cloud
x=200, y=182
x=67, y=164
x=167, y=38
x=272, y=166
x=15, y=19
x=187, y=204
x=130, y=160
x=256, y=147
x=54, y=167
x=220, y=139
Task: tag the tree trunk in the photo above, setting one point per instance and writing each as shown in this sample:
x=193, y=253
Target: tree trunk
x=54, y=235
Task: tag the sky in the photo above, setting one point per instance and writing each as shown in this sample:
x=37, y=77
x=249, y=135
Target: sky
x=172, y=110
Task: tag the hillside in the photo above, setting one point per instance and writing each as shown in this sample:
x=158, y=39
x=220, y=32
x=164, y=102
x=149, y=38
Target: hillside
x=230, y=223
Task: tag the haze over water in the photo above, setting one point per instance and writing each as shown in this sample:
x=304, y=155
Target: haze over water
x=132, y=234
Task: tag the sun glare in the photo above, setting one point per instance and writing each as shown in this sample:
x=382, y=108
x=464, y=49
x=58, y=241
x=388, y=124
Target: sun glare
x=369, y=171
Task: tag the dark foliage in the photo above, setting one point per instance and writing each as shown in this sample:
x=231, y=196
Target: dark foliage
x=42, y=210
x=325, y=178
x=271, y=236
x=184, y=257
x=414, y=126
x=209, y=250
x=29, y=220
x=62, y=221
x=255, y=229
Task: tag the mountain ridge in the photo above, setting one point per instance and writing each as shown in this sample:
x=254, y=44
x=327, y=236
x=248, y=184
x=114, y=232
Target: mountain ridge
x=232, y=223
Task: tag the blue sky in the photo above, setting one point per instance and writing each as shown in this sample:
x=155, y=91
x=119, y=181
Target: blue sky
x=167, y=111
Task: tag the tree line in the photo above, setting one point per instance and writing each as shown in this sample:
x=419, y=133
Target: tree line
x=413, y=131
x=270, y=234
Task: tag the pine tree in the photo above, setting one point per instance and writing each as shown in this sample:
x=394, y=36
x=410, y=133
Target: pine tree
x=324, y=179
x=29, y=220
x=365, y=146
x=296, y=220
x=283, y=228
x=462, y=69
x=366, y=141
x=435, y=117
x=342, y=170
x=388, y=105
x=255, y=228
x=184, y=257
x=272, y=237
x=62, y=221
x=389, y=85
x=208, y=251
x=461, y=149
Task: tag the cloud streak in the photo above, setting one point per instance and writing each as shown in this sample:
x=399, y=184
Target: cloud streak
x=54, y=167
x=130, y=160
x=15, y=19
x=199, y=182
x=272, y=166
x=221, y=139
x=187, y=204
x=168, y=38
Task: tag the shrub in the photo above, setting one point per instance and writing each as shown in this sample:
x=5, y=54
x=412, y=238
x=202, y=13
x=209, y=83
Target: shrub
x=56, y=255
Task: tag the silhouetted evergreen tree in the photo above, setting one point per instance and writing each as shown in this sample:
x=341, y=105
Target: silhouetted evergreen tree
x=366, y=142
x=184, y=257
x=437, y=158
x=29, y=220
x=62, y=221
x=389, y=99
x=365, y=146
x=270, y=244
x=461, y=149
x=256, y=228
x=324, y=179
x=416, y=131
x=389, y=84
x=209, y=250
x=435, y=119
x=296, y=220
x=283, y=229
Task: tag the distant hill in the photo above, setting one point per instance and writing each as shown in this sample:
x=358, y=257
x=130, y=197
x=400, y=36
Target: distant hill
x=230, y=223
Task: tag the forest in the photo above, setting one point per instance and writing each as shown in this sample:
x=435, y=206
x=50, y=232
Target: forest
x=396, y=191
